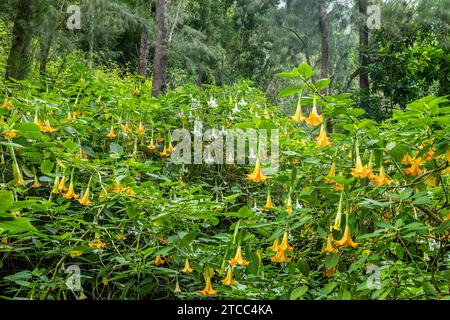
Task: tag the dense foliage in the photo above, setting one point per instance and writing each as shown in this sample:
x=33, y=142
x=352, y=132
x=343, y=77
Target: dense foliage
x=87, y=181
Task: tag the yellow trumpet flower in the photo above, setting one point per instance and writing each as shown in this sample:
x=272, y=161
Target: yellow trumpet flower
x=415, y=167
x=329, y=271
x=187, y=268
x=177, y=287
x=281, y=257
x=331, y=173
x=129, y=191
x=70, y=194
x=152, y=147
x=406, y=159
x=381, y=179
x=62, y=185
x=369, y=171
x=47, y=127
x=71, y=117
x=208, y=288
x=298, y=116
x=97, y=243
x=269, y=205
x=329, y=247
x=359, y=171
x=238, y=258
x=165, y=152
x=140, y=129
x=284, y=246
x=10, y=134
x=85, y=199
x=170, y=148
x=289, y=205
x=257, y=175
x=322, y=139
x=7, y=104
x=111, y=134
x=429, y=154
x=338, y=219
x=126, y=128
x=159, y=261
x=346, y=240
x=36, y=184
x=314, y=119
x=117, y=188
x=275, y=247
x=229, y=281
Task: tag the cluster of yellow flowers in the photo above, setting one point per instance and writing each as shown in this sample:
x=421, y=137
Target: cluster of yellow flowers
x=417, y=162
x=314, y=119
x=361, y=171
x=9, y=134
x=46, y=127
x=281, y=249
x=140, y=130
x=7, y=104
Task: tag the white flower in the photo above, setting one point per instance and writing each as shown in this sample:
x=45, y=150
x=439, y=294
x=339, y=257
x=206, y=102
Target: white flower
x=298, y=205
x=433, y=245
x=212, y=103
x=194, y=103
x=242, y=103
x=235, y=109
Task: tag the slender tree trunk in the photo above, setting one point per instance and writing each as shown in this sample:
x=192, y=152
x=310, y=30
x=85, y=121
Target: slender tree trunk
x=324, y=31
x=143, y=54
x=160, y=59
x=45, y=45
x=325, y=56
x=20, y=56
x=363, y=45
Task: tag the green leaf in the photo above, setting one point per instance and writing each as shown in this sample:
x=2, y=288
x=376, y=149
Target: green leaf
x=290, y=75
x=6, y=200
x=115, y=148
x=289, y=91
x=305, y=70
x=187, y=239
x=422, y=200
x=443, y=227
x=391, y=145
x=13, y=224
x=298, y=292
x=331, y=260
x=244, y=212
x=322, y=84
x=29, y=130
x=47, y=167
x=132, y=212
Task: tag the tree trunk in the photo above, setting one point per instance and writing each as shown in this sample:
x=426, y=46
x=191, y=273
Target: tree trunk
x=45, y=45
x=363, y=45
x=160, y=59
x=143, y=54
x=20, y=56
x=324, y=31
